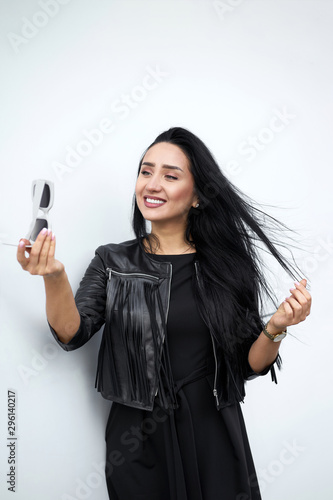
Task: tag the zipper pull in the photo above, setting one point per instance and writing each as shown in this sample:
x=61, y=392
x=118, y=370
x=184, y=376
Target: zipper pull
x=108, y=269
x=216, y=396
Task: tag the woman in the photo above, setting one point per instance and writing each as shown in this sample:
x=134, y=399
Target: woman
x=183, y=331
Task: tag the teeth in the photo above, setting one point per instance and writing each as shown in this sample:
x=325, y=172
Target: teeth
x=158, y=202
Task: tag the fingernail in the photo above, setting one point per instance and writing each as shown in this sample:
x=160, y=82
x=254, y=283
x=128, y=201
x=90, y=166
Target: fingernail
x=43, y=231
x=296, y=283
x=53, y=236
x=292, y=289
x=21, y=243
x=48, y=232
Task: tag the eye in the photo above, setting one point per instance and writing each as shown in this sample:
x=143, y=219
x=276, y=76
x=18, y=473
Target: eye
x=144, y=172
x=171, y=177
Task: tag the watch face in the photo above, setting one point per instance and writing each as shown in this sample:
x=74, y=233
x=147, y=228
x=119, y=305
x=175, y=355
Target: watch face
x=279, y=337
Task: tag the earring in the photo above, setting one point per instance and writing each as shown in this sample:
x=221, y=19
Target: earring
x=195, y=210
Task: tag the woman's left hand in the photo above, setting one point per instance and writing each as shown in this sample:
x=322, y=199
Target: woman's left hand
x=294, y=309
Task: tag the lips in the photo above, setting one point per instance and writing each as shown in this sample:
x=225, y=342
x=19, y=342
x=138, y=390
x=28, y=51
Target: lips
x=153, y=201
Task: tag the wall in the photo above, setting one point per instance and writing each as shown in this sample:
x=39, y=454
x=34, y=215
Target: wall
x=252, y=79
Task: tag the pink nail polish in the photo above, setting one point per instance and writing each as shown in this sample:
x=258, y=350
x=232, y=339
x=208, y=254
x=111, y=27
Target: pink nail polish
x=296, y=283
x=53, y=236
x=21, y=243
x=292, y=289
x=44, y=230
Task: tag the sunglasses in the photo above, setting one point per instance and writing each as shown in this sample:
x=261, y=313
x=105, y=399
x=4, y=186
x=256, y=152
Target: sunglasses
x=42, y=192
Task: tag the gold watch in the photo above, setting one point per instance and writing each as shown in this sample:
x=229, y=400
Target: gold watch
x=277, y=337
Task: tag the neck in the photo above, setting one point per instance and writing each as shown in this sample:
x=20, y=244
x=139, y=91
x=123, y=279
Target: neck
x=171, y=240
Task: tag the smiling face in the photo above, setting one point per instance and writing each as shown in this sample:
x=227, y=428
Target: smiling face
x=165, y=186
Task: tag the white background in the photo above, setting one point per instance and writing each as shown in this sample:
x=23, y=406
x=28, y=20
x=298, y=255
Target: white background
x=226, y=69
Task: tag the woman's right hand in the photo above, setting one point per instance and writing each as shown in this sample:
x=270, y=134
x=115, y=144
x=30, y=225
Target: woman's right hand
x=41, y=259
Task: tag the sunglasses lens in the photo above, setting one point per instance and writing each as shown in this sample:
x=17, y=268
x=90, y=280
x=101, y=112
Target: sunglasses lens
x=39, y=225
x=46, y=197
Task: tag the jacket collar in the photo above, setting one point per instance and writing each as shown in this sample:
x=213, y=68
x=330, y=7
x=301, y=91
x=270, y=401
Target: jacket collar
x=131, y=256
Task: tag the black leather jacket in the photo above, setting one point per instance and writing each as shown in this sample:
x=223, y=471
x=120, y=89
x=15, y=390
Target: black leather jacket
x=129, y=292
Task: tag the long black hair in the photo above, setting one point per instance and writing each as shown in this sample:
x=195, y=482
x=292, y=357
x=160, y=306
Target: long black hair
x=228, y=231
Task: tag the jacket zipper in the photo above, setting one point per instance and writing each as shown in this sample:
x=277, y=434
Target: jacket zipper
x=214, y=350
x=215, y=377
x=110, y=271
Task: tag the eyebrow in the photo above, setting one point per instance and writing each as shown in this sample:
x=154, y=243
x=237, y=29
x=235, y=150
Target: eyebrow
x=172, y=167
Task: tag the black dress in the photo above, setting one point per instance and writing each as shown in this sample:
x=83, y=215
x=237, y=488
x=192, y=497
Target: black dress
x=197, y=452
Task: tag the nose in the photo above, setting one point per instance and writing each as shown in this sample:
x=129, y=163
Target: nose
x=153, y=183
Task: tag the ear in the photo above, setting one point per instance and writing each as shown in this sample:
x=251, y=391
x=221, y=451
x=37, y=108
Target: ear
x=196, y=201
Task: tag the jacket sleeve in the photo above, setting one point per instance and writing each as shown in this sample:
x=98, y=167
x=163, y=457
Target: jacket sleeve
x=252, y=374
x=90, y=300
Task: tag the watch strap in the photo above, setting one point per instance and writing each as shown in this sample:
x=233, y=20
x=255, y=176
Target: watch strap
x=271, y=335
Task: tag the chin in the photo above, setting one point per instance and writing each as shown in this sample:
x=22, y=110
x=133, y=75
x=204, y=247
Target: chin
x=153, y=218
